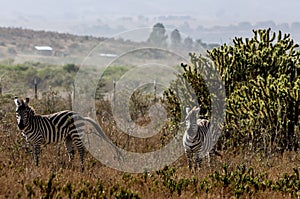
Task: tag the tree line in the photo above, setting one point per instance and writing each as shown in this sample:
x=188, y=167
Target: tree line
x=159, y=37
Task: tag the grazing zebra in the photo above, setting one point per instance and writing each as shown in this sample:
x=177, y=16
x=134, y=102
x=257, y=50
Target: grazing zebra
x=194, y=138
x=66, y=126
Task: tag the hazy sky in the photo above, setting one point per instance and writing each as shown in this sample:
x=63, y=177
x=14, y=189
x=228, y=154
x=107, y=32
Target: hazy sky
x=207, y=12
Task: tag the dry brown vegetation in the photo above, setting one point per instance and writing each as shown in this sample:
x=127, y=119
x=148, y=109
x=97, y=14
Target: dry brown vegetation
x=20, y=178
x=23, y=41
x=245, y=170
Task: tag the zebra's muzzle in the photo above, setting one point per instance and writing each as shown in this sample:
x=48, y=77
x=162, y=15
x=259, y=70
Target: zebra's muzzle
x=21, y=125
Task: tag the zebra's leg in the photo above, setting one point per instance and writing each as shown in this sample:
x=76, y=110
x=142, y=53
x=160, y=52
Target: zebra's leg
x=36, y=153
x=189, y=155
x=208, y=159
x=70, y=148
x=58, y=159
x=81, y=152
x=198, y=161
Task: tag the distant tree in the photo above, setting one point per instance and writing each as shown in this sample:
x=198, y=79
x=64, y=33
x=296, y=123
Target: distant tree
x=199, y=44
x=71, y=68
x=158, y=35
x=188, y=43
x=175, y=38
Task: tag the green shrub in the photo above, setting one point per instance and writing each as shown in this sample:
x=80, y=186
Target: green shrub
x=262, y=88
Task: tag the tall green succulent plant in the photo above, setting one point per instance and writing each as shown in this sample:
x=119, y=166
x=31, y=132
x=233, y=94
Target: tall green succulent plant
x=261, y=75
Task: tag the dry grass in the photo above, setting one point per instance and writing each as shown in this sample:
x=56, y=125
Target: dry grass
x=18, y=172
x=20, y=178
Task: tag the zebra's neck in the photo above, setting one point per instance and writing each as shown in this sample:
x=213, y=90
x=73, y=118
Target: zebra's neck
x=30, y=125
x=32, y=131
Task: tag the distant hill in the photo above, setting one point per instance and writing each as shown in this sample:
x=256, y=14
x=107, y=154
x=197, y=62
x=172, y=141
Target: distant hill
x=24, y=45
x=19, y=41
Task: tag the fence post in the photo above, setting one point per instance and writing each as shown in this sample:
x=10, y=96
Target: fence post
x=35, y=88
x=74, y=94
x=154, y=85
x=70, y=100
x=1, y=82
x=114, y=91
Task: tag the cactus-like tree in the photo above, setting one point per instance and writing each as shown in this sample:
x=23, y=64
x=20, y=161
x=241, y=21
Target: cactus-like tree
x=262, y=87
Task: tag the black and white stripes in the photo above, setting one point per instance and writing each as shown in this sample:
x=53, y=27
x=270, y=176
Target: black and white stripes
x=64, y=126
x=194, y=142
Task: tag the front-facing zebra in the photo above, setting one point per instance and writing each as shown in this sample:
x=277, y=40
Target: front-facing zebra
x=195, y=138
x=66, y=126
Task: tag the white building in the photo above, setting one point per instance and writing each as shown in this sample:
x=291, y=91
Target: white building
x=44, y=50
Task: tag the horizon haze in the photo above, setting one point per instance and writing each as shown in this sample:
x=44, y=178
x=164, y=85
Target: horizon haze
x=202, y=19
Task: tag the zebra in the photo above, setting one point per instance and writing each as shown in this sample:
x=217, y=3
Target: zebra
x=194, y=138
x=65, y=126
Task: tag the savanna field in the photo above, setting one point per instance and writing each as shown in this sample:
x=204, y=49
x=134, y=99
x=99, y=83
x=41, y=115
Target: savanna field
x=259, y=143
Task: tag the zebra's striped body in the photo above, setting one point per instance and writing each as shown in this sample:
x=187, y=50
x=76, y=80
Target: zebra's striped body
x=194, y=137
x=64, y=126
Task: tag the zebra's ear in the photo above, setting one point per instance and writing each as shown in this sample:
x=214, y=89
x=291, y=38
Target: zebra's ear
x=17, y=101
x=27, y=100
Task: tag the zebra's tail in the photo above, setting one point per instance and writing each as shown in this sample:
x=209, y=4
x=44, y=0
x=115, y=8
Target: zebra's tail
x=102, y=135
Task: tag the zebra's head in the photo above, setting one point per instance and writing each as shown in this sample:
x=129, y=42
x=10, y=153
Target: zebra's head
x=191, y=117
x=23, y=112
x=192, y=114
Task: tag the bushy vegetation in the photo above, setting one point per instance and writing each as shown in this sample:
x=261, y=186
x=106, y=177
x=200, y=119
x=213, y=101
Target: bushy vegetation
x=259, y=142
x=262, y=86
x=20, y=78
x=239, y=182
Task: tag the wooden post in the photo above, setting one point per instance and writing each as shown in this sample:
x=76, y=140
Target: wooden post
x=114, y=91
x=1, y=83
x=70, y=100
x=73, y=92
x=154, y=85
x=35, y=88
